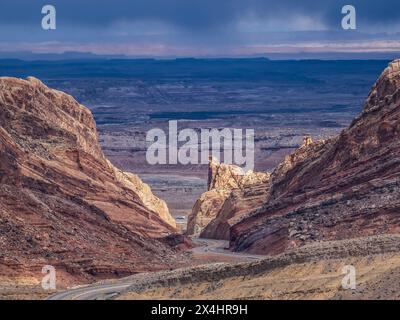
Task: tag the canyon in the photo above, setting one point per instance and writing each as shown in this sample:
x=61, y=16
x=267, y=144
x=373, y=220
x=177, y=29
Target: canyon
x=335, y=189
x=330, y=201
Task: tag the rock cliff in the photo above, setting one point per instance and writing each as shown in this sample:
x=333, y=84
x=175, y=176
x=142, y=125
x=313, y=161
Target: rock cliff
x=62, y=202
x=217, y=208
x=341, y=188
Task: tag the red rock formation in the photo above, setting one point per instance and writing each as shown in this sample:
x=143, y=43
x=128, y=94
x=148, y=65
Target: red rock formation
x=230, y=192
x=341, y=188
x=235, y=208
x=61, y=201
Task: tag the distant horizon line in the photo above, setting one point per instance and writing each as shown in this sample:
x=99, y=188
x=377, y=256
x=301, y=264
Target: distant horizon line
x=76, y=56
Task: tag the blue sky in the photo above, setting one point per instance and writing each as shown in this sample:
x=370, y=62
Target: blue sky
x=165, y=28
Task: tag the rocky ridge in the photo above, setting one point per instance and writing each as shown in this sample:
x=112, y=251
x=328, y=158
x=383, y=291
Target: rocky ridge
x=341, y=188
x=62, y=202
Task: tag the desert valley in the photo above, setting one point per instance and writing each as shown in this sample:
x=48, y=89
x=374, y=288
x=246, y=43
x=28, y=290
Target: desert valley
x=77, y=193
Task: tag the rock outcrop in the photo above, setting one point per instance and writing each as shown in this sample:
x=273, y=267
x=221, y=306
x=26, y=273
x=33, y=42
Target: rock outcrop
x=61, y=201
x=345, y=187
x=218, y=207
x=146, y=196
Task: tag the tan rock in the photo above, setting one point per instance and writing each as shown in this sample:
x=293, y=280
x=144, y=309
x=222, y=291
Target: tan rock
x=205, y=210
x=222, y=181
x=145, y=194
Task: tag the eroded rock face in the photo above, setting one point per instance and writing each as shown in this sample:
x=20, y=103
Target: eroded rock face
x=211, y=212
x=205, y=209
x=146, y=196
x=61, y=201
x=342, y=188
x=235, y=208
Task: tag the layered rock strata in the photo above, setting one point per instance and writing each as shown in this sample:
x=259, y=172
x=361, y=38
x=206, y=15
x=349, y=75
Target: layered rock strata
x=61, y=201
x=341, y=188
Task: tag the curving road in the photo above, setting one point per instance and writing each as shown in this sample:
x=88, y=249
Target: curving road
x=91, y=292
x=108, y=291
x=220, y=248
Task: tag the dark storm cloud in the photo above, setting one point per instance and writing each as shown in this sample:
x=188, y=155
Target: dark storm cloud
x=196, y=15
x=199, y=27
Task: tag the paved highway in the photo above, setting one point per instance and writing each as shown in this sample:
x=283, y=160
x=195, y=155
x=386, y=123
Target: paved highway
x=107, y=291
x=220, y=248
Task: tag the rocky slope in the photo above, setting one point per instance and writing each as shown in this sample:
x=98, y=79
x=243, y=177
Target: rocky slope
x=314, y=271
x=217, y=209
x=345, y=187
x=61, y=201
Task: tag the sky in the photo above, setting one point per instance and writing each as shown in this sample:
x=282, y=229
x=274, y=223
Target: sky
x=200, y=28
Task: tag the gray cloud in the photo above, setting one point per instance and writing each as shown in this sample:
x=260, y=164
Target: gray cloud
x=185, y=23
x=195, y=15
